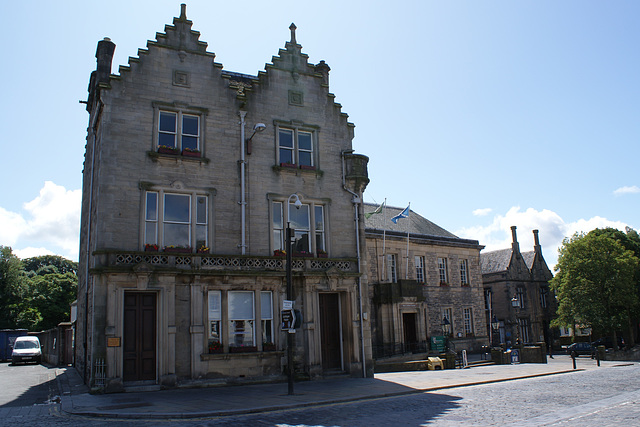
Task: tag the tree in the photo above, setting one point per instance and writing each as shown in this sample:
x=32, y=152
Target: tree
x=52, y=295
x=11, y=287
x=60, y=265
x=595, y=283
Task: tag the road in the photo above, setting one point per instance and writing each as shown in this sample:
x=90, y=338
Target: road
x=603, y=397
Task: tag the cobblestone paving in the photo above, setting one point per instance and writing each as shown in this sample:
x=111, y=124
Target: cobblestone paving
x=600, y=397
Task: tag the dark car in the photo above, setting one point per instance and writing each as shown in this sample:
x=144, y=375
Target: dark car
x=580, y=348
x=607, y=342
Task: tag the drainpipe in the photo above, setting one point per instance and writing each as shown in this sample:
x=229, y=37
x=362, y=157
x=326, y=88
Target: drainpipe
x=243, y=203
x=356, y=202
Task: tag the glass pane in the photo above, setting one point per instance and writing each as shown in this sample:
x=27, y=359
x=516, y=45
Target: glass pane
x=320, y=242
x=176, y=235
x=150, y=237
x=285, y=138
x=190, y=125
x=277, y=215
x=241, y=333
x=319, y=217
x=214, y=305
x=299, y=217
x=190, y=142
x=301, y=242
x=176, y=207
x=201, y=210
x=240, y=305
x=278, y=241
x=266, y=311
x=304, y=141
x=167, y=122
x=286, y=156
x=267, y=332
x=152, y=206
x=167, y=139
x=305, y=158
x=201, y=236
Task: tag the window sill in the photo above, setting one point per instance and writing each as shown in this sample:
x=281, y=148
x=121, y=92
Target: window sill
x=157, y=156
x=289, y=168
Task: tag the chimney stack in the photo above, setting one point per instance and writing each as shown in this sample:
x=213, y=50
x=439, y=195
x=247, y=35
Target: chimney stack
x=514, y=245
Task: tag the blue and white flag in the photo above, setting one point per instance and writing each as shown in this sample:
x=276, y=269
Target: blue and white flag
x=403, y=214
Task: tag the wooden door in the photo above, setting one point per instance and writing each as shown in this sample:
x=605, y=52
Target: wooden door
x=330, y=333
x=410, y=333
x=139, y=336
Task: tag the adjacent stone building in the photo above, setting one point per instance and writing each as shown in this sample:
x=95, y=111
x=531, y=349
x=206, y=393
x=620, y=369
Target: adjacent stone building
x=517, y=295
x=189, y=179
x=425, y=282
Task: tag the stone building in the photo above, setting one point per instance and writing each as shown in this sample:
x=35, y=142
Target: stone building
x=189, y=176
x=419, y=275
x=517, y=295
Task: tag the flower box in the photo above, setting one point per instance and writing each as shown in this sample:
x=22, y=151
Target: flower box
x=151, y=248
x=178, y=250
x=268, y=347
x=167, y=150
x=279, y=252
x=308, y=167
x=288, y=165
x=189, y=153
x=302, y=254
x=243, y=349
x=323, y=255
x=215, y=347
x=444, y=284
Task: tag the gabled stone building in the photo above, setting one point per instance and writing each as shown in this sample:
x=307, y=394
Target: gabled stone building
x=517, y=295
x=189, y=175
x=419, y=275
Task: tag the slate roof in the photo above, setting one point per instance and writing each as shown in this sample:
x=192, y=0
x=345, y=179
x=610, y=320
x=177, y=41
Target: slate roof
x=496, y=261
x=415, y=223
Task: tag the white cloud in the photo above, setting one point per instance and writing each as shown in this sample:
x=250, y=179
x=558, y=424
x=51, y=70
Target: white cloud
x=51, y=224
x=31, y=252
x=552, y=230
x=482, y=212
x=627, y=190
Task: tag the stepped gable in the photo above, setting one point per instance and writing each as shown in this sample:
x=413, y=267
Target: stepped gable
x=417, y=225
x=180, y=36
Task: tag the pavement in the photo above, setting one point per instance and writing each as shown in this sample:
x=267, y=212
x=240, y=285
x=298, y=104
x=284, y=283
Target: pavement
x=218, y=401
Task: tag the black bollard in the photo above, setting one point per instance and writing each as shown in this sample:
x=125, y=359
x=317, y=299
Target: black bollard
x=573, y=357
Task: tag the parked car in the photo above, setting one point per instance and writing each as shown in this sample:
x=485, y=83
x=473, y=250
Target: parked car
x=581, y=348
x=607, y=342
x=26, y=349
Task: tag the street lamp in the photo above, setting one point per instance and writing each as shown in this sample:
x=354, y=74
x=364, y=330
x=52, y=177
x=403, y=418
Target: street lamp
x=515, y=303
x=495, y=327
x=290, y=370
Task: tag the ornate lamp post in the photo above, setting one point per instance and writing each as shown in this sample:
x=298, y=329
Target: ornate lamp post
x=289, y=237
x=515, y=303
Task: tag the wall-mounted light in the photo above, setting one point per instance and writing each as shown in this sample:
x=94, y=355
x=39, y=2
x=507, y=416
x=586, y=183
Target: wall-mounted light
x=259, y=127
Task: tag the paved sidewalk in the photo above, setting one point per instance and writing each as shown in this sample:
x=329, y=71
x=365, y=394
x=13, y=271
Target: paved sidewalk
x=233, y=400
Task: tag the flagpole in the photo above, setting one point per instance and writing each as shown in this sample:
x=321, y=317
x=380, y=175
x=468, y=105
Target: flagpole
x=384, y=236
x=406, y=271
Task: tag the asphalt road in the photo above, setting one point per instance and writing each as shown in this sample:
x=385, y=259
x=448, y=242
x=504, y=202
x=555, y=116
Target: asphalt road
x=603, y=397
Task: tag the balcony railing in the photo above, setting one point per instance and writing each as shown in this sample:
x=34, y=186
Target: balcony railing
x=213, y=262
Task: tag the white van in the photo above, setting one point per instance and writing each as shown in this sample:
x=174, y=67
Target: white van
x=26, y=349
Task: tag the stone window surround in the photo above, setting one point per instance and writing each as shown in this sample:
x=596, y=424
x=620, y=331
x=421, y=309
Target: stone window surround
x=297, y=126
x=179, y=108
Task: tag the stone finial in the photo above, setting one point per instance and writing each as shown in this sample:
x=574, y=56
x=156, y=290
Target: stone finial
x=536, y=241
x=293, y=28
x=183, y=12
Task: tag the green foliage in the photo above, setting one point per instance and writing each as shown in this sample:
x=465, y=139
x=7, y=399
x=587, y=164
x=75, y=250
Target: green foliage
x=52, y=264
x=35, y=293
x=596, y=280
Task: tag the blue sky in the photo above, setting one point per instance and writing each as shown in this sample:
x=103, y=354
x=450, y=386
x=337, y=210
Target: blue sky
x=482, y=114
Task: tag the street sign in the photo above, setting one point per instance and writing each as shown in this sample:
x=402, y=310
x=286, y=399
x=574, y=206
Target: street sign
x=288, y=320
x=287, y=305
